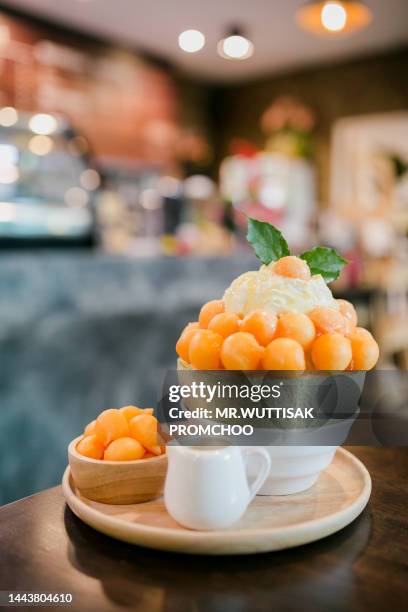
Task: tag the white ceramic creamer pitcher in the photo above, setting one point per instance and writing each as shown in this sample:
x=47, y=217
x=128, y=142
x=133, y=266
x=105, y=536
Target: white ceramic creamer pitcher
x=207, y=487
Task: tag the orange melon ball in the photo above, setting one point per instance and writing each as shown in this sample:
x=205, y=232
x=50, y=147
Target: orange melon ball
x=143, y=428
x=364, y=348
x=262, y=325
x=241, y=351
x=328, y=320
x=348, y=327
x=90, y=446
x=90, y=428
x=124, y=449
x=183, y=344
x=284, y=354
x=209, y=310
x=297, y=326
x=156, y=450
x=331, y=352
x=361, y=332
x=292, y=266
x=131, y=411
x=204, y=351
x=348, y=311
x=191, y=325
x=110, y=425
x=225, y=324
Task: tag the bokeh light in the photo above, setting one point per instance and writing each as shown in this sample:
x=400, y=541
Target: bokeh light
x=43, y=124
x=8, y=116
x=90, y=179
x=235, y=47
x=76, y=196
x=40, y=145
x=334, y=16
x=191, y=41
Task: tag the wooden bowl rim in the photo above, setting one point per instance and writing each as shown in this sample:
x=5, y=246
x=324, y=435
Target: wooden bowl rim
x=73, y=451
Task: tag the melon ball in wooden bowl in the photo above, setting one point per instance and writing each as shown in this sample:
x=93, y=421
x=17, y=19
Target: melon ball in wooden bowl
x=120, y=458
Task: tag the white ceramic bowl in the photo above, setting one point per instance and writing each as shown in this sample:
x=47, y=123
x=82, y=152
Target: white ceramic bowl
x=295, y=468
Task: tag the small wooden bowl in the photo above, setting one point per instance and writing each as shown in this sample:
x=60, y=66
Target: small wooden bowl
x=117, y=482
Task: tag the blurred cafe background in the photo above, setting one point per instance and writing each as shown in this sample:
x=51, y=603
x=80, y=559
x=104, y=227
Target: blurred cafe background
x=135, y=137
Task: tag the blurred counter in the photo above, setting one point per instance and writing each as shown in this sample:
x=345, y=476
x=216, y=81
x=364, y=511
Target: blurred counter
x=81, y=332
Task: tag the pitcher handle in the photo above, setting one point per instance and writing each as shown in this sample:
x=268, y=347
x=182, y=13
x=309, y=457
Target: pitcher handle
x=264, y=471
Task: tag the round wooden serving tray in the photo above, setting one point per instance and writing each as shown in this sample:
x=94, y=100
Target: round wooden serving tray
x=270, y=523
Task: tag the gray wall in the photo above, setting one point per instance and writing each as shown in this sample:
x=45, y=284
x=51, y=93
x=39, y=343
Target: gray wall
x=80, y=333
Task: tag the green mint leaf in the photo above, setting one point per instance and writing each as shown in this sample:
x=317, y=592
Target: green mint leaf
x=267, y=241
x=324, y=261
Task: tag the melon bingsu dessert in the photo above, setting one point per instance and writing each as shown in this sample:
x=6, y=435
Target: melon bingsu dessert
x=280, y=317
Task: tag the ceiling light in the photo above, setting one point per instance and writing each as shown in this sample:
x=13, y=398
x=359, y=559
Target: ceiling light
x=43, y=124
x=235, y=46
x=8, y=116
x=334, y=17
x=191, y=41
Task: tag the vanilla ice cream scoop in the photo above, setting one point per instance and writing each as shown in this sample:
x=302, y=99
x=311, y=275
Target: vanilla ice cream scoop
x=265, y=290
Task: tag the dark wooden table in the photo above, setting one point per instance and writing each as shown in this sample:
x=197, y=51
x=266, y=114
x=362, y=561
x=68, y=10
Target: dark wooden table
x=44, y=547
